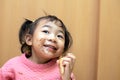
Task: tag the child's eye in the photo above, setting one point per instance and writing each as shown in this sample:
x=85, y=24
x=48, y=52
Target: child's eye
x=60, y=36
x=45, y=31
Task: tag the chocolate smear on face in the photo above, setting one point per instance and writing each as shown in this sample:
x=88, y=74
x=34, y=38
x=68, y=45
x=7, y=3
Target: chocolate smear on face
x=42, y=40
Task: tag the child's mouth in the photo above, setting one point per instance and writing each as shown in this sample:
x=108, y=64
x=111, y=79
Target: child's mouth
x=51, y=47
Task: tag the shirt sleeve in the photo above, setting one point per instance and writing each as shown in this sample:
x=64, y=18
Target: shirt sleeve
x=0, y=74
x=6, y=73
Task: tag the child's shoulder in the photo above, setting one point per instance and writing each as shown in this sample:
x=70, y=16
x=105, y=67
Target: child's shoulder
x=12, y=61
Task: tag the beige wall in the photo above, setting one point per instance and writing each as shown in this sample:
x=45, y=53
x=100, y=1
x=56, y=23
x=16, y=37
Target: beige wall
x=109, y=41
x=94, y=25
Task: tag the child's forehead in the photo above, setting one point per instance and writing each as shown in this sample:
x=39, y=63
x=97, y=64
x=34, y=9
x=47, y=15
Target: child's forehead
x=50, y=23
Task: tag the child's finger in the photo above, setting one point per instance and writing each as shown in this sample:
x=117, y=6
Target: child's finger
x=69, y=58
x=66, y=63
x=72, y=57
x=61, y=66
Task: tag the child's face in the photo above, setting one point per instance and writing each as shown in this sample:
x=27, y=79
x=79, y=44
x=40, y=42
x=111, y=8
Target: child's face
x=48, y=40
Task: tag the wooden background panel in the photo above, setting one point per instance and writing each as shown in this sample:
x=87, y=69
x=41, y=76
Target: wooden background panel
x=94, y=25
x=109, y=41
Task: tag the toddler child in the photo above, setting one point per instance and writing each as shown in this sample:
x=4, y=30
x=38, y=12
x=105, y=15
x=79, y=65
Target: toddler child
x=44, y=43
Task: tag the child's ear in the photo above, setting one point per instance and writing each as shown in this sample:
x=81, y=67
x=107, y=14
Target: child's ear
x=28, y=39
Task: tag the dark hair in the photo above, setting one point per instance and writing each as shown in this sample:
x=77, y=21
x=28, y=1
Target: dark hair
x=28, y=27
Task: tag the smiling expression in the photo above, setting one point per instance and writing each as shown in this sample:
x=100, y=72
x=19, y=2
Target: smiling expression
x=47, y=41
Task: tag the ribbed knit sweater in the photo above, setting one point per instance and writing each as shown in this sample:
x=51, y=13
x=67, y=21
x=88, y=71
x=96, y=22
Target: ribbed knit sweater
x=21, y=68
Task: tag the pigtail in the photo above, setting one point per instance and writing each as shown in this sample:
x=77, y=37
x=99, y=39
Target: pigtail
x=25, y=28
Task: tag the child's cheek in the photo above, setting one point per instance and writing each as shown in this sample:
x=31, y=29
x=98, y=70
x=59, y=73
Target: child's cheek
x=42, y=41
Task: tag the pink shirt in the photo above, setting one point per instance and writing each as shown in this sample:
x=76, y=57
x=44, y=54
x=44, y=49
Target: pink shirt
x=21, y=68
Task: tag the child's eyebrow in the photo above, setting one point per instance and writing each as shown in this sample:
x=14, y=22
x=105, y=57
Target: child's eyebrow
x=51, y=27
x=61, y=32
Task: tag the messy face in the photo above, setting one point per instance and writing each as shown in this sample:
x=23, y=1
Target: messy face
x=48, y=40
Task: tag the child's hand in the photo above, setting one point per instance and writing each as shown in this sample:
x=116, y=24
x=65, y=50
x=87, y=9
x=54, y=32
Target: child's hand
x=66, y=64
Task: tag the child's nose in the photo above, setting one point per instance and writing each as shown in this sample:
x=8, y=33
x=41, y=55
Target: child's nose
x=52, y=38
